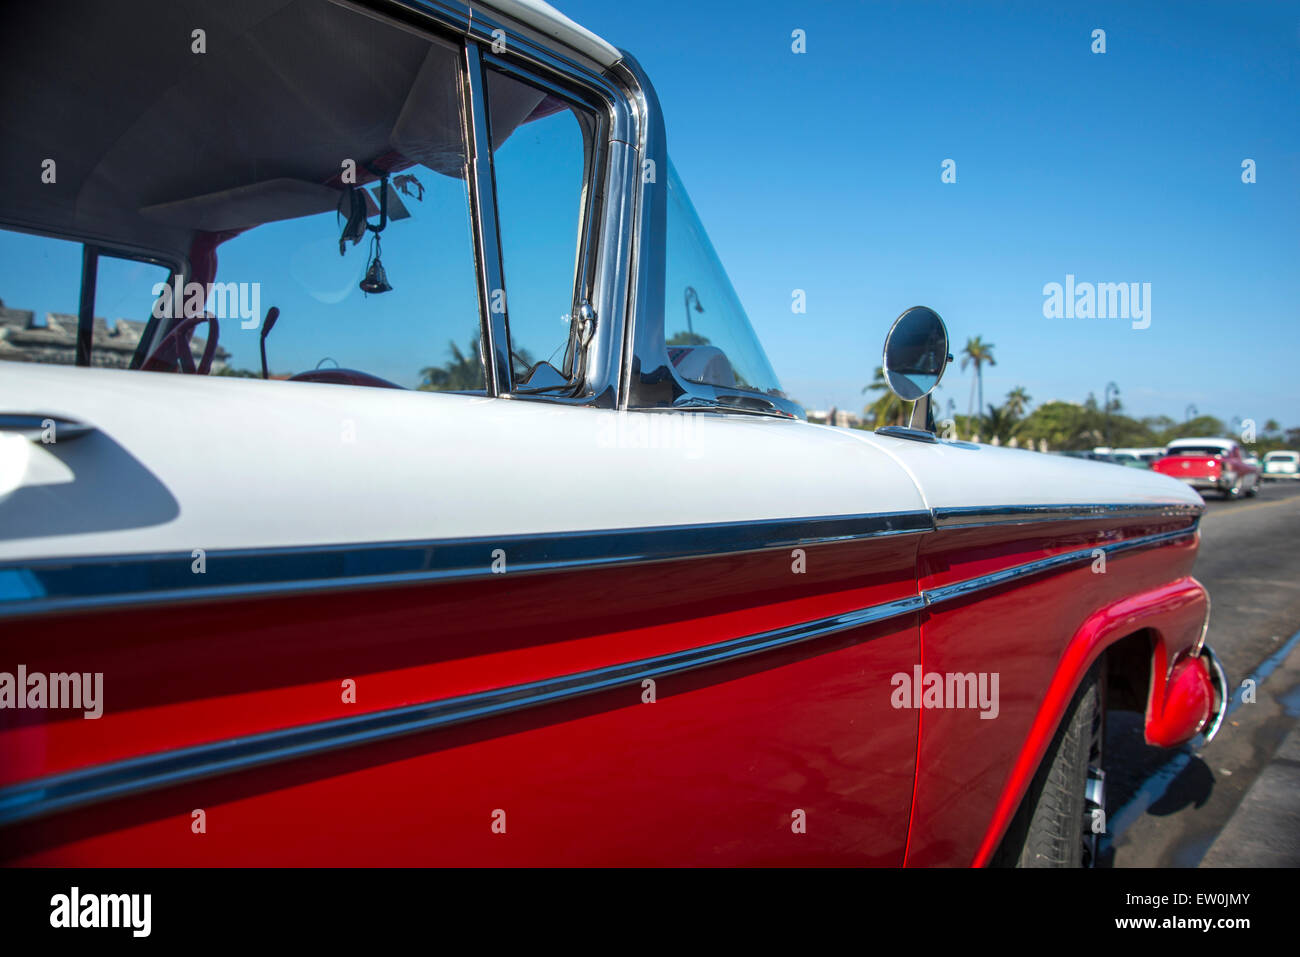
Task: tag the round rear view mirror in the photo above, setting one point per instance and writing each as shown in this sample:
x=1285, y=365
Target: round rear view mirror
x=916, y=352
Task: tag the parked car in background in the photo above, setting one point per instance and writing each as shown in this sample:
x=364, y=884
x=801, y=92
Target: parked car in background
x=1283, y=464
x=1121, y=457
x=1147, y=455
x=430, y=577
x=1210, y=465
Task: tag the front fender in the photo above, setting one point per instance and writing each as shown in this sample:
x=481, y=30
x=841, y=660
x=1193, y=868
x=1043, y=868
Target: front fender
x=1181, y=701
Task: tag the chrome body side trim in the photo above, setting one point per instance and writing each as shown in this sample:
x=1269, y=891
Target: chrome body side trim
x=970, y=586
x=48, y=795
x=136, y=775
x=80, y=583
x=974, y=516
x=53, y=585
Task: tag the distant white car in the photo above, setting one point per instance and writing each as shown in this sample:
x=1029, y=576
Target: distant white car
x=1282, y=465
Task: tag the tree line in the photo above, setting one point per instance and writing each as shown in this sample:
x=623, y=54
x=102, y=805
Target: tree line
x=1065, y=426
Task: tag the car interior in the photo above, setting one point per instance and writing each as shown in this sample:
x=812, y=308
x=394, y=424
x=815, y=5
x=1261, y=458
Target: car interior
x=180, y=151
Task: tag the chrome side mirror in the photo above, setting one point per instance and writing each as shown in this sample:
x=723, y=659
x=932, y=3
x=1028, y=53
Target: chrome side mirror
x=916, y=354
x=916, y=351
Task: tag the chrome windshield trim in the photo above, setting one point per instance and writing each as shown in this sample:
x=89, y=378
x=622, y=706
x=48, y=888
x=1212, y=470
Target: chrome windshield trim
x=935, y=596
x=78, y=583
x=974, y=516
x=61, y=792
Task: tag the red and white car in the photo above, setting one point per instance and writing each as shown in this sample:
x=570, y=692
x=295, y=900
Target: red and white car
x=1215, y=465
x=489, y=553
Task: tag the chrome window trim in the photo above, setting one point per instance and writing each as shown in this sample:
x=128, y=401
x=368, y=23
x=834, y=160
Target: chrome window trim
x=640, y=386
x=485, y=226
x=627, y=363
x=54, y=793
x=75, y=584
x=536, y=61
x=595, y=168
x=609, y=206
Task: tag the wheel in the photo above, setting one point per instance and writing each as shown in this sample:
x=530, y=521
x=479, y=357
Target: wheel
x=1053, y=827
x=1253, y=490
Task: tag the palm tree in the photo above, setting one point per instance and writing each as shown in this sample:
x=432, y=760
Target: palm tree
x=888, y=408
x=977, y=353
x=1017, y=401
x=464, y=373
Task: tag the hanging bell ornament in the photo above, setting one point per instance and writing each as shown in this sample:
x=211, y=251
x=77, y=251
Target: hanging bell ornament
x=376, y=279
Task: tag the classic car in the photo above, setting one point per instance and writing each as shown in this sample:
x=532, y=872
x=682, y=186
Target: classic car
x=1146, y=456
x=499, y=543
x=1282, y=464
x=1216, y=465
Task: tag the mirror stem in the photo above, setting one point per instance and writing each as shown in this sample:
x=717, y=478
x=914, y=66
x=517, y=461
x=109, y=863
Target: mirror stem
x=922, y=415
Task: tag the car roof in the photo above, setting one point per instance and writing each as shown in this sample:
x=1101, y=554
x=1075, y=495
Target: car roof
x=1214, y=443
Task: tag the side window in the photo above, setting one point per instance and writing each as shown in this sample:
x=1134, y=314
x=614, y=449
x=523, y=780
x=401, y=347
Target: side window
x=40, y=293
x=542, y=158
x=374, y=283
x=41, y=276
x=323, y=187
x=124, y=301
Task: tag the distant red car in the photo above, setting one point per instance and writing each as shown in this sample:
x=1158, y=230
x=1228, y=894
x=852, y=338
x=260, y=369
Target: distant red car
x=1215, y=465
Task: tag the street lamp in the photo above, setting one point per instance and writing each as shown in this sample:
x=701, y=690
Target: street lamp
x=1190, y=412
x=1110, y=387
x=691, y=296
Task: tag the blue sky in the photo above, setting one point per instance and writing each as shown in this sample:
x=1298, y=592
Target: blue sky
x=821, y=172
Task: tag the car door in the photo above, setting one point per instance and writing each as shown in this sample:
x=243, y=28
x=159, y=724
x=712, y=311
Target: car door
x=449, y=615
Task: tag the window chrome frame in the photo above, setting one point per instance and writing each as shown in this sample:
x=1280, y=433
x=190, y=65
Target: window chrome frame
x=624, y=362
x=595, y=149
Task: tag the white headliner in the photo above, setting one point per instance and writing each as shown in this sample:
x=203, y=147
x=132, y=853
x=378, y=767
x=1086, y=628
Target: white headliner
x=545, y=19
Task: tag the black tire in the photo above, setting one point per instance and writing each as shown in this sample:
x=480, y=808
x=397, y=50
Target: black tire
x=1049, y=829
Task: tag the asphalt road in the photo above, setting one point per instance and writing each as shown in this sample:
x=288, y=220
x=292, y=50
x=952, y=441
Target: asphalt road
x=1166, y=808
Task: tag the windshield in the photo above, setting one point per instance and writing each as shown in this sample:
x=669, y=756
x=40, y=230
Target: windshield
x=1197, y=450
x=708, y=335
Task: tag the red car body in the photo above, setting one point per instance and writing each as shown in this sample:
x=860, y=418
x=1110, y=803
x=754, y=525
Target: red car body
x=1216, y=465
x=714, y=768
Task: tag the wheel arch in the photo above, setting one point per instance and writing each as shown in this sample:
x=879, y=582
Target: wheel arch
x=1151, y=632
